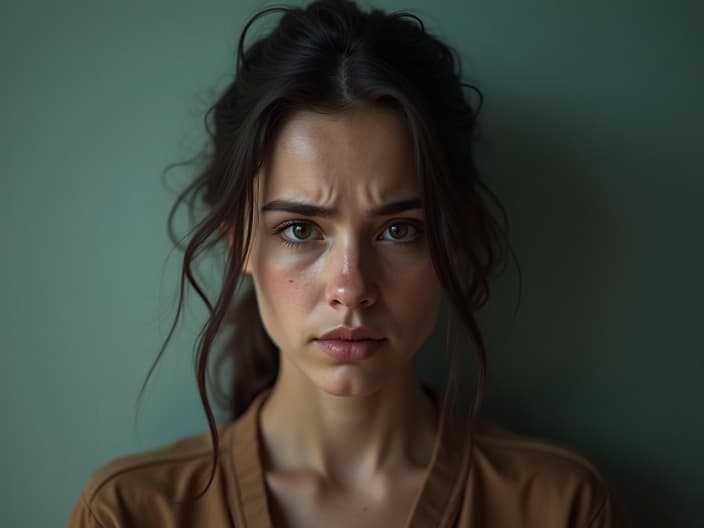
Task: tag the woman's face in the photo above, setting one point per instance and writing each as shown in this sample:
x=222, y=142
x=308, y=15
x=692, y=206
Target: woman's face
x=339, y=242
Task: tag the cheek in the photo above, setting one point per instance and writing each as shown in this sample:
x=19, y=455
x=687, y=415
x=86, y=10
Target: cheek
x=414, y=292
x=282, y=289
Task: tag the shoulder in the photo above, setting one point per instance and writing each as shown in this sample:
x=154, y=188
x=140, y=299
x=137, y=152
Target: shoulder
x=162, y=469
x=540, y=478
x=522, y=456
x=150, y=484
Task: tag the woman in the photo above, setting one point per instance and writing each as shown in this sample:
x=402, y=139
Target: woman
x=342, y=181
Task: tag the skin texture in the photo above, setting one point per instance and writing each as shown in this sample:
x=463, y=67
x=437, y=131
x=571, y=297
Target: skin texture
x=344, y=437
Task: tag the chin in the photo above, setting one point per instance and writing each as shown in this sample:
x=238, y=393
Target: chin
x=347, y=380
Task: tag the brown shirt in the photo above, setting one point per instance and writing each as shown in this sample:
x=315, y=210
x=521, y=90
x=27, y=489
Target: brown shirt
x=508, y=481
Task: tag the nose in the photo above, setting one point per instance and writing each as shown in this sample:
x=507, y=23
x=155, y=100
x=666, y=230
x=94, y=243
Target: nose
x=351, y=282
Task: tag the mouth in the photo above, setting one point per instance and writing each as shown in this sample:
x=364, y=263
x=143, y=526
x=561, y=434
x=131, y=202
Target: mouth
x=350, y=349
x=359, y=333
x=351, y=344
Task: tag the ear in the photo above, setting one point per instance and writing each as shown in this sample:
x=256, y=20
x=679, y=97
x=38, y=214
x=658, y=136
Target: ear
x=229, y=233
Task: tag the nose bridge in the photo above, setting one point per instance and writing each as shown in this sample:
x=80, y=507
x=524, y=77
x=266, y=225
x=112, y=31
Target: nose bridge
x=350, y=273
x=350, y=256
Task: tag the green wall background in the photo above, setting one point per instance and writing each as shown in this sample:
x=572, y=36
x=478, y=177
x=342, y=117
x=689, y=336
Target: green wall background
x=592, y=138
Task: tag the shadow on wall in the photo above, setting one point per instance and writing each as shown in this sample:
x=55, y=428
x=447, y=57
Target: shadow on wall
x=569, y=367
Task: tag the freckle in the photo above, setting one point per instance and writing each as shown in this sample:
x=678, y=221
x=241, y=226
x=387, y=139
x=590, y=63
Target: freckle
x=290, y=281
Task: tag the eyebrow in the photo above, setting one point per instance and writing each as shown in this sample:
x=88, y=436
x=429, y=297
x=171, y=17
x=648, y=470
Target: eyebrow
x=306, y=209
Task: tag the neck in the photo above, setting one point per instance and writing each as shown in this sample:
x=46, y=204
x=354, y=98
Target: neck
x=347, y=439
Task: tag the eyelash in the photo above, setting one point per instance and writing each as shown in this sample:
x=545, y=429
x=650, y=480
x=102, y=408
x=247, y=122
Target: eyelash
x=418, y=226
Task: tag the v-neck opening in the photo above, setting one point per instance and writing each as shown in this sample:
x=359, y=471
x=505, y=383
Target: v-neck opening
x=437, y=504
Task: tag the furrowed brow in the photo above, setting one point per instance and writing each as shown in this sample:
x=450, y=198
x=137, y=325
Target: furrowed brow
x=306, y=209
x=393, y=208
x=300, y=208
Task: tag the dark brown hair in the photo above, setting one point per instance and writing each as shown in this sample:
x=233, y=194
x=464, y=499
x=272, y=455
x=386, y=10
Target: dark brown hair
x=327, y=57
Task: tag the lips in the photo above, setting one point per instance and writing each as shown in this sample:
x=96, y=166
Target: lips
x=343, y=333
x=351, y=344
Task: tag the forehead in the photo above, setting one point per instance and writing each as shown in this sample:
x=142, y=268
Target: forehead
x=363, y=153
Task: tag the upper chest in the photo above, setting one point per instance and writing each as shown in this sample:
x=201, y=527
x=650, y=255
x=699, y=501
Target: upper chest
x=300, y=500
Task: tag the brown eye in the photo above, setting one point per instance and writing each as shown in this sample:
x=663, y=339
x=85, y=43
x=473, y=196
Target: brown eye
x=398, y=230
x=298, y=232
x=401, y=232
x=301, y=231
